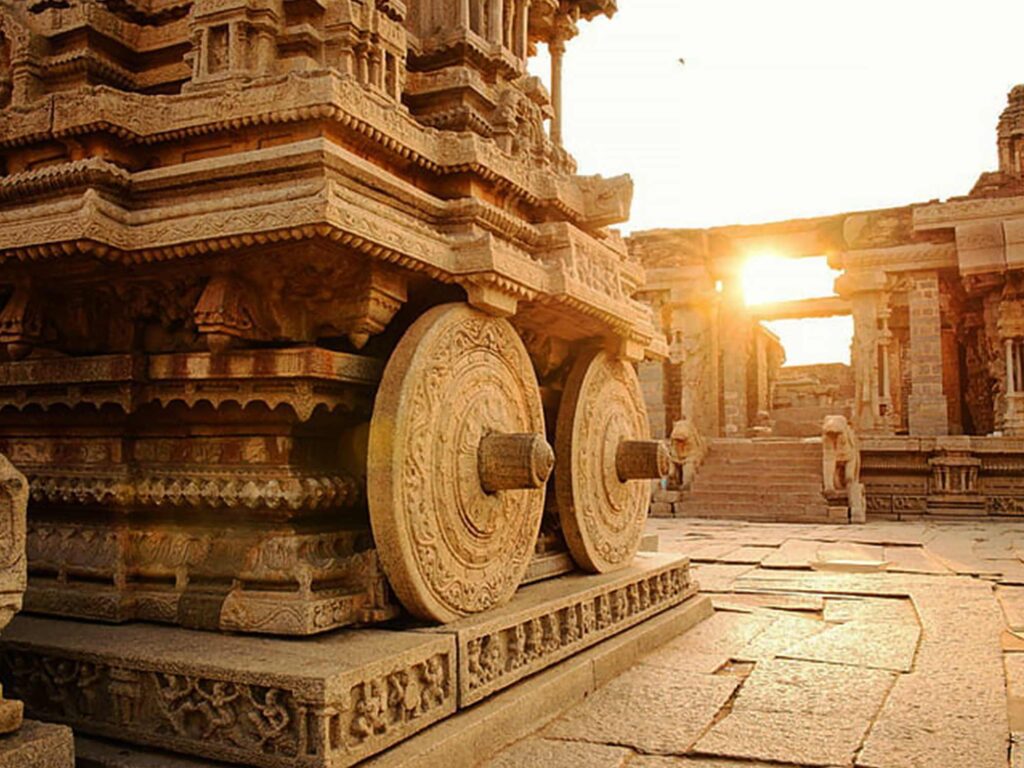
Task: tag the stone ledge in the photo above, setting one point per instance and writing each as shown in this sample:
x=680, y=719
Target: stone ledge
x=328, y=701
x=478, y=733
x=547, y=622
x=323, y=702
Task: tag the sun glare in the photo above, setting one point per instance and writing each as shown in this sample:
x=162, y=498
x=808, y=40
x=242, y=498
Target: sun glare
x=767, y=277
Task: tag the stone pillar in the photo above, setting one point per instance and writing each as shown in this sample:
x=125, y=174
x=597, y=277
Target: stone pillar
x=927, y=404
x=495, y=25
x=523, y=30
x=556, y=47
x=736, y=351
x=564, y=29
x=888, y=418
x=864, y=359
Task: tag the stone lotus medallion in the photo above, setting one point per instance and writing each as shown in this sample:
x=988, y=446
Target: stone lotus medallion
x=605, y=457
x=457, y=464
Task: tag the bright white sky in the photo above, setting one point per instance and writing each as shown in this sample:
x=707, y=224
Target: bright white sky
x=790, y=108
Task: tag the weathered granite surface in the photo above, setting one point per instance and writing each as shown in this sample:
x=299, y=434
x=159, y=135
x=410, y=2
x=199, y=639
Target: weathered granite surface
x=38, y=745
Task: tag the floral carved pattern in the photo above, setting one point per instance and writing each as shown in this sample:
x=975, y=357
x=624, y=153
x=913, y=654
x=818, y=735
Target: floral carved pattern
x=602, y=516
x=450, y=548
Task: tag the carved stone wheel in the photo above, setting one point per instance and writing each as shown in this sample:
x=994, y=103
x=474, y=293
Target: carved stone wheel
x=457, y=464
x=605, y=460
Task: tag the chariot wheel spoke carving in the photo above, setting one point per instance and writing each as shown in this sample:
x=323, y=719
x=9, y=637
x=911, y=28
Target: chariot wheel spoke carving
x=457, y=464
x=605, y=460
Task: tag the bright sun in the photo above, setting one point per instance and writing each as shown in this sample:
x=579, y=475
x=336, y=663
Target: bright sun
x=768, y=278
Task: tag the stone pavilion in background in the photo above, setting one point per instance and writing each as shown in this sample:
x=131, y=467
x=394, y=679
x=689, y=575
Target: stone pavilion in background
x=935, y=389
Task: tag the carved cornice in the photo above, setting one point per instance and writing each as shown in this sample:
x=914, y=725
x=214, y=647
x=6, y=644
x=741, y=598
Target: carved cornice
x=301, y=379
x=93, y=172
x=191, y=490
x=298, y=97
x=947, y=215
x=903, y=258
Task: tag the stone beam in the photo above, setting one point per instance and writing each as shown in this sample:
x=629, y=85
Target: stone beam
x=802, y=309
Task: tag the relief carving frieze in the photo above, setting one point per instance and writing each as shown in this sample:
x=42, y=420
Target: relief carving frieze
x=510, y=648
x=275, y=719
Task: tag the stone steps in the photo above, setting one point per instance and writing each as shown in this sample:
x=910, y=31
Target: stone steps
x=771, y=480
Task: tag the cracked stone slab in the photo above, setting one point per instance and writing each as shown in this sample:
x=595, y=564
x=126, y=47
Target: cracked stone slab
x=952, y=710
x=786, y=631
x=799, y=712
x=747, y=555
x=785, y=685
x=560, y=754
x=1010, y=571
x=651, y=709
x=1011, y=599
x=898, y=610
x=748, y=602
x=851, y=552
x=1015, y=690
x=785, y=737
x=860, y=643
x=657, y=761
x=711, y=643
x=1017, y=751
x=718, y=577
x=794, y=553
x=913, y=560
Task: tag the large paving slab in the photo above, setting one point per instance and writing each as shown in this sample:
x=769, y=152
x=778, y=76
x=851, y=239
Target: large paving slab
x=802, y=712
x=560, y=754
x=719, y=577
x=651, y=709
x=735, y=601
x=877, y=609
x=660, y=761
x=794, y=553
x=926, y=636
x=785, y=631
x=913, y=560
x=711, y=644
x=861, y=643
x=952, y=709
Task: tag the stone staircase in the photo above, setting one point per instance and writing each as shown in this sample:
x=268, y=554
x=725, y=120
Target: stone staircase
x=763, y=480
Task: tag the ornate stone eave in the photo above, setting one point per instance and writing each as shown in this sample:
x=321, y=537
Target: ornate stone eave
x=950, y=214
x=323, y=96
x=904, y=258
x=593, y=277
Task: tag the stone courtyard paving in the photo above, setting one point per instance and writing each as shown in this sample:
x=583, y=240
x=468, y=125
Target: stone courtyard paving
x=887, y=645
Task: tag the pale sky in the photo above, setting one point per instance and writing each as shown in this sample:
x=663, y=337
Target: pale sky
x=789, y=108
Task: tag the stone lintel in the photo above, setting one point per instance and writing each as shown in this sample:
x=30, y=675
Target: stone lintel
x=547, y=622
x=324, y=702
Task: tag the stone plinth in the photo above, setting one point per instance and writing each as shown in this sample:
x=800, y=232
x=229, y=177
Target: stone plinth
x=323, y=702
x=38, y=745
x=547, y=622
x=320, y=702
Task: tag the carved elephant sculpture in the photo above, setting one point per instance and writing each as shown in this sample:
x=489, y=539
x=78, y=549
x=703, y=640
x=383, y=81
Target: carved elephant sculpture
x=840, y=454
